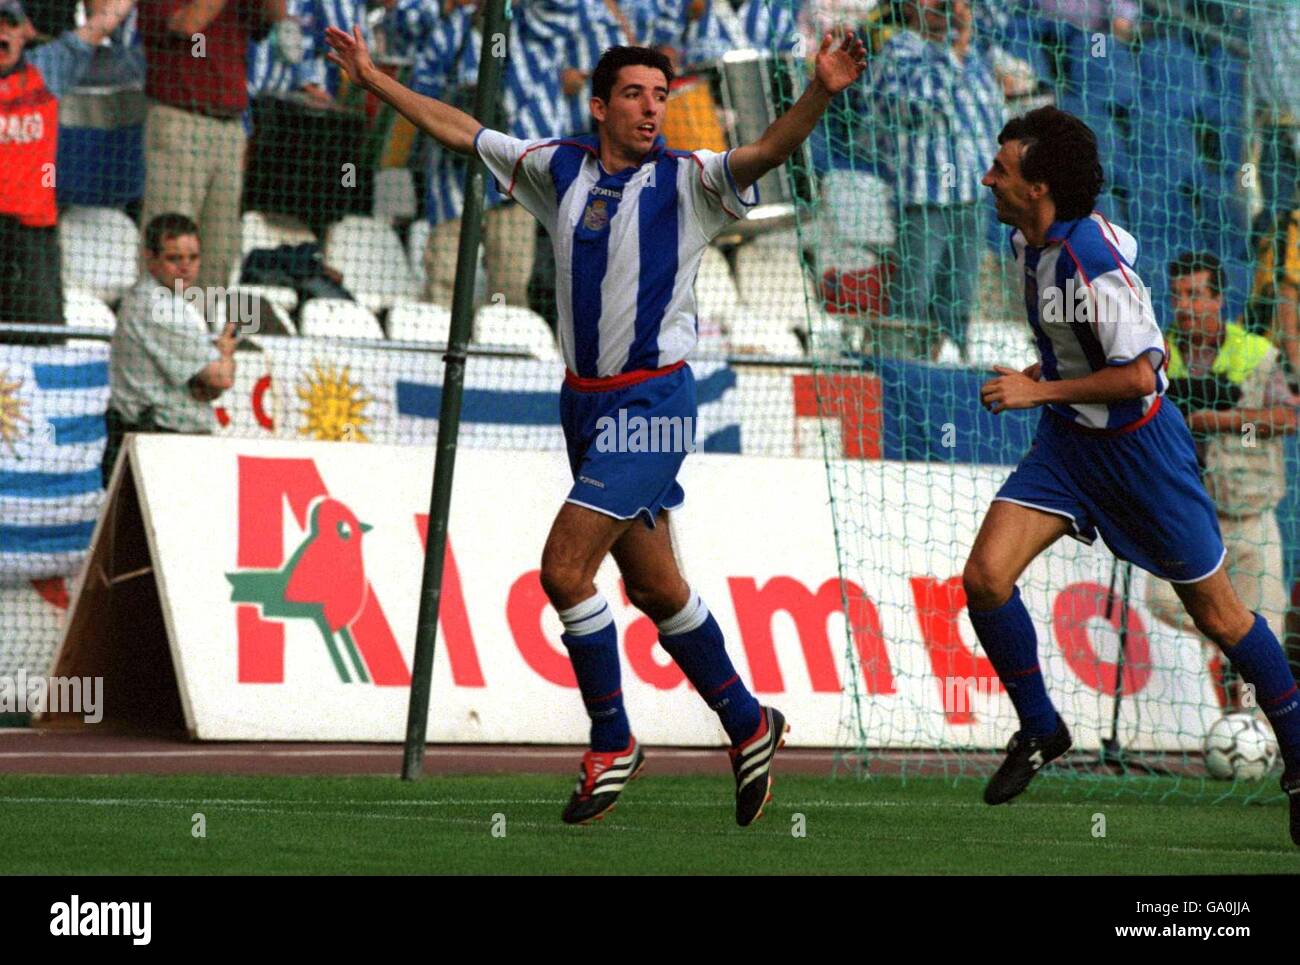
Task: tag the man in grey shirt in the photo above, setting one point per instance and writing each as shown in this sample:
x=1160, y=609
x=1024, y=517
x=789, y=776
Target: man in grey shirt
x=165, y=368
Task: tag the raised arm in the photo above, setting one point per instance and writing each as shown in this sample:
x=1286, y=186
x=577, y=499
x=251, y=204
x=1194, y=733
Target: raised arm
x=837, y=68
x=453, y=129
x=103, y=19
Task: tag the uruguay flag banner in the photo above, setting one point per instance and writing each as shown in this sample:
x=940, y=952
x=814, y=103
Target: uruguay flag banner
x=52, y=405
x=336, y=392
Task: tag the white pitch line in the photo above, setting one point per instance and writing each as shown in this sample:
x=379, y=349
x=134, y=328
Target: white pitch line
x=334, y=752
x=494, y=802
x=533, y=825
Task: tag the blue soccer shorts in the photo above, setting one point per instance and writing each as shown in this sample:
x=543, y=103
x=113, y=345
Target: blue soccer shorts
x=1140, y=489
x=627, y=443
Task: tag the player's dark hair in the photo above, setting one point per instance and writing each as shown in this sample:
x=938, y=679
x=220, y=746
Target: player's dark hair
x=615, y=59
x=1190, y=262
x=1060, y=151
x=172, y=224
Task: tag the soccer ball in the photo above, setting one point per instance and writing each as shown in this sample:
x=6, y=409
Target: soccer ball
x=1239, y=747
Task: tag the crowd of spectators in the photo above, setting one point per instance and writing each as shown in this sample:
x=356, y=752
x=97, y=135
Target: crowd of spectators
x=918, y=131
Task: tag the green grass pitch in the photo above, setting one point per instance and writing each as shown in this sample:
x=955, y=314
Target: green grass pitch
x=292, y=825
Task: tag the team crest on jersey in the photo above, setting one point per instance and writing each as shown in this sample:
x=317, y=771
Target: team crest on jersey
x=596, y=217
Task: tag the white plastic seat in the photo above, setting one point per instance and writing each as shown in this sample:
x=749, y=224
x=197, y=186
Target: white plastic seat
x=417, y=237
x=83, y=310
x=272, y=309
x=338, y=318
x=515, y=327
x=857, y=211
x=750, y=334
x=261, y=230
x=831, y=335
x=419, y=322
x=375, y=267
x=715, y=289
x=279, y=295
x=101, y=250
x=773, y=284
x=394, y=194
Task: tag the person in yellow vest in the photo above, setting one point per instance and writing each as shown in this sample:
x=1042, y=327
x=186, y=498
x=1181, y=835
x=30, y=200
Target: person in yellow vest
x=1230, y=386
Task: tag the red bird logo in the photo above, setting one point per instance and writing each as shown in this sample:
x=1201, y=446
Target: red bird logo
x=324, y=581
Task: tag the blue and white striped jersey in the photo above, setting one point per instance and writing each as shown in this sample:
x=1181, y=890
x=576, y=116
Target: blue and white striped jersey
x=772, y=25
x=937, y=118
x=717, y=31
x=1089, y=309
x=768, y=25
x=447, y=50
x=271, y=72
x=597, y=29
x=627, y=245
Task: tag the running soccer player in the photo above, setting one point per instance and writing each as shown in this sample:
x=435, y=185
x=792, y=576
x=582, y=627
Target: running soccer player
x=1107, y=458
x=629, y=221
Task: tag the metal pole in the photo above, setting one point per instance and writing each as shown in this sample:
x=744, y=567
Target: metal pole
x=486, y=100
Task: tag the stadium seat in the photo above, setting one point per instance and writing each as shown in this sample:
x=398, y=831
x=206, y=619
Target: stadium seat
x=280, y=295
x=369, y=254
x=262, y=230
x=1225, y=101
x=773, y=284
x=83, y=310
x=338, y=318
x=419, y=322
x=750, y=334
x=394, y=195
x=101, y=250
x=1164, y=151
x=417, y=237
x=715, y=289
x=831, y=335
x=515, y=327
x=276, y=305
x=1112, y=79
x=1175, y=83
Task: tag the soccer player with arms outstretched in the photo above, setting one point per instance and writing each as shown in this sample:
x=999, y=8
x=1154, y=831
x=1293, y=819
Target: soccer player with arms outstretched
x=1108, y=457
x=629, y=221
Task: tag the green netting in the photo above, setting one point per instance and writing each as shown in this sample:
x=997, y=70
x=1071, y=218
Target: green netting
x=919, y=288
x=1195, y=107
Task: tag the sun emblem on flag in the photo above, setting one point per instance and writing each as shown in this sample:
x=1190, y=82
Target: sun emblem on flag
x=11, y=410
x=334, y=407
